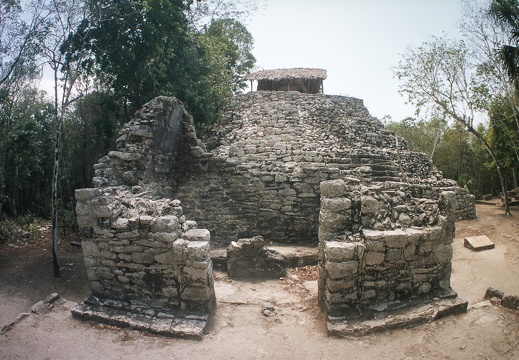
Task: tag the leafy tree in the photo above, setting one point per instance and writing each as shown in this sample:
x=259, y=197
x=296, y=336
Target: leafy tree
x=504, y=135
x=26, y=147
x=141, y=49
x=507, y=13
x=89, y=134
x=421, y=135
x=441, y=75
x=133, y=46
x=235, y=43
x=22, y=27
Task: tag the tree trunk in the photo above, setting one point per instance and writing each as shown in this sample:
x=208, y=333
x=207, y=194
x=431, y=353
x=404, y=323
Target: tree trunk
x=498, y=167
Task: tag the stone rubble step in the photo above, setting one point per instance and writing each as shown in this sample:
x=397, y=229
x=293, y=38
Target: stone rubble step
x=173, y=324
x=478, y=243
x=404, y=318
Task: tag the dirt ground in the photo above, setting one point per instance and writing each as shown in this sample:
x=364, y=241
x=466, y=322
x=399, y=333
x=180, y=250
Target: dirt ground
x=242, y=329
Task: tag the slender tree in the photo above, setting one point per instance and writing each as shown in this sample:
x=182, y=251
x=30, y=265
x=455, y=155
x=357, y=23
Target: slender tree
x=440, y=74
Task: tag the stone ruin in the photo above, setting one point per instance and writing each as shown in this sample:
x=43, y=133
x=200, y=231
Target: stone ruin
x=268, y=173
x=149, y=267
x=381, y=249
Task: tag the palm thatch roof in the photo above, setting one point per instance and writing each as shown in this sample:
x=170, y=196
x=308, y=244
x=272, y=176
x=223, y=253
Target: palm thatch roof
x=294, y=73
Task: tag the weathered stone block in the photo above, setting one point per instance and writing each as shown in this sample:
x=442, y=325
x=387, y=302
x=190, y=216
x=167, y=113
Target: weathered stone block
x=374, y=258
x=340, y=251
x=335, y=204
x=199, y=294
x=200, y=235
x=333, y=188
x=197, y=250
x=90, y=248
x=165, y=258
x=166, y=223
x=339, y=285
x=87, y=194
x=342, y=270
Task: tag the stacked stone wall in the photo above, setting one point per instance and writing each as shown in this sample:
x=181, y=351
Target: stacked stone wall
x=138, y=247
x=380, y=247
x=266, y=158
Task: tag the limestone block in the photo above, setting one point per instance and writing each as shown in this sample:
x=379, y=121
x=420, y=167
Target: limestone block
x=334, y=222
x=125, y=156
x=342, y=270
x=106, y=254
x=198, y=235
x=165, y=223
x=374, y=258
x=143, y=257
x=90, y=248
x=145, y=219
x=87, y=194
x=91, y=273
x=336, y=204
x=339, y=285
x=128, y=235
x=394, y=254
x=334, y=188
x=170, y=291
x=166, y=237
x=370, y=294
x=340, y=251
x=375, y=245
x=409, y=251
x=197, y=250
x=82, y=209
x=370, y=205
x=105, y=273
x=197, y=294
x=103, y=233
x=196, y=277
x=424, y=288
x=165, y=258
x=101, y=211
x=396, y=239
x=180, y=251
x=120, y=224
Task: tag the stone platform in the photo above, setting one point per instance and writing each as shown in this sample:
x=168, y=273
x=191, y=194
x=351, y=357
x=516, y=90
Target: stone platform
x=168, y=322
x=405, y=317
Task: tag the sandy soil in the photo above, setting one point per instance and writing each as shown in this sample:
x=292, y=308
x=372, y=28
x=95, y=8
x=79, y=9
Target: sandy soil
x=240, y=330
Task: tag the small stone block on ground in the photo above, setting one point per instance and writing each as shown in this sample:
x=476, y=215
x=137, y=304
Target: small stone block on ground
x=479, y=243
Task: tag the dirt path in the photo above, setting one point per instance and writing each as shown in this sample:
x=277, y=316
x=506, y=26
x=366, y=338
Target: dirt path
x=294, y=330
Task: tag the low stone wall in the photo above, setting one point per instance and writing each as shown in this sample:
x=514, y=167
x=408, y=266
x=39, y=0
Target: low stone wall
x=144, y=250
x=380, y=247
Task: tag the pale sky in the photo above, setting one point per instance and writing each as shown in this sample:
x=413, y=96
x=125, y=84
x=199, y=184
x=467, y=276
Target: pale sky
x=357, y=41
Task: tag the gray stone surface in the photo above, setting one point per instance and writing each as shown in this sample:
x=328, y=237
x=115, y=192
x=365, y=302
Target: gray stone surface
x=478, y=243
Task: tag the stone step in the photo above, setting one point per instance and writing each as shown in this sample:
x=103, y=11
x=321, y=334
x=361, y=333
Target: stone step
x=405, y=317
x=171, y=323
x=294, y=255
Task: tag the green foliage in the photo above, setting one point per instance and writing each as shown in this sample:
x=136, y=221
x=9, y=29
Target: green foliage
x=504, y=135
x=90, y=131
x=454, y=152
x=26, y=153
x=421, y=135
x=140, y=49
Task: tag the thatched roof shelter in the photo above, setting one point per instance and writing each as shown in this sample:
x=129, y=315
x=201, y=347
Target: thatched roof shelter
x=305, y=80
